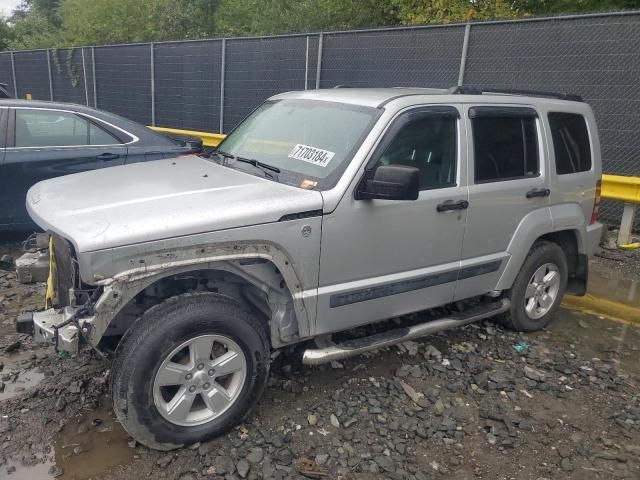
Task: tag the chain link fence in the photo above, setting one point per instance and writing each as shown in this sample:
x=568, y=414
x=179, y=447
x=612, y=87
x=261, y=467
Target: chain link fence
x=213, y=84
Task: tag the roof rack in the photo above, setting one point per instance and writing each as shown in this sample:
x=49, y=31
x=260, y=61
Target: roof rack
x=462, y=90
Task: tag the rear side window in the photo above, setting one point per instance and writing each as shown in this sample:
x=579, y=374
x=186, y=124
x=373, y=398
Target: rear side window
x=570, y=142
x=50, y=128
x=505, y=143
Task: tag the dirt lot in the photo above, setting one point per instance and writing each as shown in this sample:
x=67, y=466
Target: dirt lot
x=478, y=402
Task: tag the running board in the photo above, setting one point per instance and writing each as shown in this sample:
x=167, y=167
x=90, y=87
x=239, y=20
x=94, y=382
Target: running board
x=358, y=346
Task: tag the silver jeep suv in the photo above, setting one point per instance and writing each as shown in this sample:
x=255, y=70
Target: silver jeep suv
x=323, y=211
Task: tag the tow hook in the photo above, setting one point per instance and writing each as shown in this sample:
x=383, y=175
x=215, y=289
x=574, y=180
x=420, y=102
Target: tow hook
x=24, y=323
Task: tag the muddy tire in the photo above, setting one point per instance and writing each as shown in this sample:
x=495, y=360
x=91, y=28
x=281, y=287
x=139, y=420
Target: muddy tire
x=538, y=289
x=188, y=370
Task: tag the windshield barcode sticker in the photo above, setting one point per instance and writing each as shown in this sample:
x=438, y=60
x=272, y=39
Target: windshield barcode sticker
x=313, y=155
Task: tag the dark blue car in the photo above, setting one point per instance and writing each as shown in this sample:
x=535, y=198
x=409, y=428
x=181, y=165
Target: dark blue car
x=40, y=140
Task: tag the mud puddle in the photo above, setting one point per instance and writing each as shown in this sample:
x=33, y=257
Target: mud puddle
x=613, y=286
x=17, y=375
x=88, y=446
x=593, y=337
x=17, y=471
x=92, y=444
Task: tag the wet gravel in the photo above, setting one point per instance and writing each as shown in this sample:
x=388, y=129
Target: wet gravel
x=617, y=261
x=477, y=402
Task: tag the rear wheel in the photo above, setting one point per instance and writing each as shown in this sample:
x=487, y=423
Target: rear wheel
x=538, y=289
x=190, y=369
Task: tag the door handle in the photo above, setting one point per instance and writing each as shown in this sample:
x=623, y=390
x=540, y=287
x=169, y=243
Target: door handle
x=451, y=205
x=538, y=192
x=108, y=156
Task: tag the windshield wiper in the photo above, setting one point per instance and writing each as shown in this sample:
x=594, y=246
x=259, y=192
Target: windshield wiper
x=265, y=167
x=257, y=164
x=224, y=155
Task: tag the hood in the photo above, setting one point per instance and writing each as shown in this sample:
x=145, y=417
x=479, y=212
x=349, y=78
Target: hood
x=147, y=201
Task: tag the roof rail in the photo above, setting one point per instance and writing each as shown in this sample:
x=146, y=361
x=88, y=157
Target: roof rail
x=462, y=90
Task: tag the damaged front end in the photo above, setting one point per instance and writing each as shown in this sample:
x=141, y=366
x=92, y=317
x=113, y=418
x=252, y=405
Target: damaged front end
x=68, y=305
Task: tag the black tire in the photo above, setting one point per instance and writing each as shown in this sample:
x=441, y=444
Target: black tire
x=157, y=333
x=541, y=253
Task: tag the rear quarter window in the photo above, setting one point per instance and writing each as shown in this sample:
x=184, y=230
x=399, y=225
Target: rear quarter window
x=570, y=142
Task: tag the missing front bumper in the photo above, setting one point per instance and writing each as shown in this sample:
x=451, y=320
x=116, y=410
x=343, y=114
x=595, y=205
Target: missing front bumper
x=55, y=327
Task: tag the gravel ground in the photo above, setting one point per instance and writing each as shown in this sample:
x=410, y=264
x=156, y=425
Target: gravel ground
x=611, y=260
x=477, y=402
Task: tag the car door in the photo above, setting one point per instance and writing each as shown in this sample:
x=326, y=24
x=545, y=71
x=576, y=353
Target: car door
x=507, y=182
x=47, y=143
x=383, y=258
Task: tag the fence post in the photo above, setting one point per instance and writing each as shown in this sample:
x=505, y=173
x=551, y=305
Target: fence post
x=222, y=75
x=50, y=75
x=319, y=65
x=13, y=72
x=306, y=66
x=84, y=75
x=95, y=83
x=153, y=84
x=463, y=57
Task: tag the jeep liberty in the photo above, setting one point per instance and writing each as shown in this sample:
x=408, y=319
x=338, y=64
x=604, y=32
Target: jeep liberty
x=321, y=212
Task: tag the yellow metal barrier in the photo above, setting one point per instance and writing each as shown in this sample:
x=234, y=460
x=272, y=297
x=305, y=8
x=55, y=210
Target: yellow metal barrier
x=623, y=189
x=208, y=139
x=627, y=190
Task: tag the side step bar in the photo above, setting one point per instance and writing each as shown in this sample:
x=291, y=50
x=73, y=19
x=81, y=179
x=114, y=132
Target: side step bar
x=358, y=346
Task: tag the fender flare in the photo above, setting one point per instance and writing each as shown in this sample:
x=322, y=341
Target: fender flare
x=535, y=225
x=124, y=286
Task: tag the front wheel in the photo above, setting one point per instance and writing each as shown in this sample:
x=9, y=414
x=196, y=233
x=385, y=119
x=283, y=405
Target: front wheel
x=188, y=370
x=538, y=288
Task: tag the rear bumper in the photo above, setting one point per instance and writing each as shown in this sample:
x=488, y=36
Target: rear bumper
x=52, y=327
x=594, y=234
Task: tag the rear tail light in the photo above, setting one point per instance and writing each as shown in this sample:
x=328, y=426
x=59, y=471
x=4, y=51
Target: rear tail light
x=596, y=203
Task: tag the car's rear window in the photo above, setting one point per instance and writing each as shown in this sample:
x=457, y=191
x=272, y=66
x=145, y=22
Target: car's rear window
x=570, y=142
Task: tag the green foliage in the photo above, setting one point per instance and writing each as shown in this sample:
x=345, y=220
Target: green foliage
x=32, y=30
x=47, y=8
x=551, y=7
x=68, y=67
x=446, y=11
x=57, y=23
x=262, y=17
x=120, y=21
x=6, y=34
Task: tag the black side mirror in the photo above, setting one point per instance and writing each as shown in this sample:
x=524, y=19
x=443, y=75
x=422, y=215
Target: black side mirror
x=391, y=182
x=195, y=144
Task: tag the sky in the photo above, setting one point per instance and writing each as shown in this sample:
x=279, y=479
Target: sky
x=7, y=6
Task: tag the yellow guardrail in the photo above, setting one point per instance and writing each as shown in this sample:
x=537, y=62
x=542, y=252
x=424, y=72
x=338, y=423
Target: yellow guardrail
x=627, y=190
x=621, y=188
x=208, y=139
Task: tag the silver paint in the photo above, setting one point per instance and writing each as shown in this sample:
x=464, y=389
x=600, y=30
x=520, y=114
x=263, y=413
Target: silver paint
x=134, y=225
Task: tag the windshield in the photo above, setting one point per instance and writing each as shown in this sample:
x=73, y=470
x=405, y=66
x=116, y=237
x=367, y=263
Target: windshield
x=311, y=142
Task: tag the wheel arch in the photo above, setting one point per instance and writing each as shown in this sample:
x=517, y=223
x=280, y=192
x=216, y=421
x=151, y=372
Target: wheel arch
x=260, y=283
x=563, y=225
